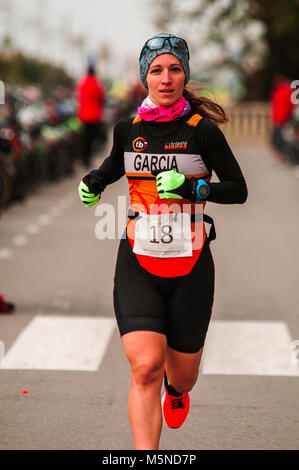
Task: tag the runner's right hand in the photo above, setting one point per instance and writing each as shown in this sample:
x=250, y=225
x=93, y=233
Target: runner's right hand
x=88, y=198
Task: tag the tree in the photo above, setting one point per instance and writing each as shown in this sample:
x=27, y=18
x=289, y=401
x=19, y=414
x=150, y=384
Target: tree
x=251, y=38
x=17, y=68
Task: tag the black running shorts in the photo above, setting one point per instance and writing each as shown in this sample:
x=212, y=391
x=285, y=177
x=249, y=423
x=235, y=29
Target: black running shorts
x=178, y=307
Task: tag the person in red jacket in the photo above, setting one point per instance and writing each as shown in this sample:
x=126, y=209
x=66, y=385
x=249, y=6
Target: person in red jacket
x=281, y=110
x=90, y=96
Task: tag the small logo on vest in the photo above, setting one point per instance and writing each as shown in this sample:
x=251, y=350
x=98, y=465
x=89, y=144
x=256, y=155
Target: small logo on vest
x=139, y=144
x=176, y=146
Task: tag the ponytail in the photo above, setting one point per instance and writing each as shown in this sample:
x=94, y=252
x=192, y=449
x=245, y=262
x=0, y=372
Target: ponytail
x=206, y=107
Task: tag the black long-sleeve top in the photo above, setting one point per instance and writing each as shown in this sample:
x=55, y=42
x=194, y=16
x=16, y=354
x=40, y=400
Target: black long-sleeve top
x=212, y=146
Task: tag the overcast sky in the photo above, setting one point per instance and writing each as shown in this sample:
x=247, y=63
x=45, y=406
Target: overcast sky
x=46, y=28
x=123, y=25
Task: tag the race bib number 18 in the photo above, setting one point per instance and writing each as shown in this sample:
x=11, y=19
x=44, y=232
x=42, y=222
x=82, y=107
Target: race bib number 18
x=163, y=235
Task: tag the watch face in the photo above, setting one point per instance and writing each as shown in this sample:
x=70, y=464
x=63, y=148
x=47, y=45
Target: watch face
x=203, y=190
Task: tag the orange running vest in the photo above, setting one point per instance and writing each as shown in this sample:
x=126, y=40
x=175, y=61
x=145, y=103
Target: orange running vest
x=144, y=154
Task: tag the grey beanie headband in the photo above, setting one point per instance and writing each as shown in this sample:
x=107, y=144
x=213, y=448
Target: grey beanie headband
x=148, y=54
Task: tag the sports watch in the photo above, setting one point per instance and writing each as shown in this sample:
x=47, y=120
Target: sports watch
x=202, y=189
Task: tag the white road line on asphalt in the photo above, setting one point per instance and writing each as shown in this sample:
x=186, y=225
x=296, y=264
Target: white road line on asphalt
x=57, y=342
x=44, y=219
x=20, y=240
x=6, y=253
x=54, y=212
x=248, y=348
x=33, y=229
x=51, y=342
x=36, y=228
x=65, y=203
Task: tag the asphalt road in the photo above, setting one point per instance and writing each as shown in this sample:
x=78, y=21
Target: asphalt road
x=53, y=266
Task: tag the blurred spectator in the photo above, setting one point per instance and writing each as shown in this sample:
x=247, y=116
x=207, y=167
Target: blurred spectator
x=281, y=110
x=136, y=95
x=90, y=96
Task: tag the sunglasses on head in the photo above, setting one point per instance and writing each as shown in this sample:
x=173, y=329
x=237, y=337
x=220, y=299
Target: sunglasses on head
x=155, y=44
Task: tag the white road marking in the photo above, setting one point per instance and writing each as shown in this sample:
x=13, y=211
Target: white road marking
x=20, y=240
x=248, y=348
x=65, y=203
x=55, y=211
x=55, y=342
x=5, y=253
x=33, y=229
x=44, y=219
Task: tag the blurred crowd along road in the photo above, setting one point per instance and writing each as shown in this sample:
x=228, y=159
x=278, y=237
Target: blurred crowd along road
x=41, y=135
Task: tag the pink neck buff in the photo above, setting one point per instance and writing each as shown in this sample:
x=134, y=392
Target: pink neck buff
x=148, y=111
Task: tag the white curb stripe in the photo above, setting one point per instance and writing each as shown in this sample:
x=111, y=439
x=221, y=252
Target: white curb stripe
x=60, y=343
x=248, y=348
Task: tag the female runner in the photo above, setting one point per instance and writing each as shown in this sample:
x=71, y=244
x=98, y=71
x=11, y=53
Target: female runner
x=164, y=277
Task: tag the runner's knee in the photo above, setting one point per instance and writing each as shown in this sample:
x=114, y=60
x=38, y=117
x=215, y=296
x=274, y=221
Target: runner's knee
x=147, y=371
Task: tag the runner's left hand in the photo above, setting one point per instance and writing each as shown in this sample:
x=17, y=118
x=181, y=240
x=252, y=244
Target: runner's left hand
x=174, y=185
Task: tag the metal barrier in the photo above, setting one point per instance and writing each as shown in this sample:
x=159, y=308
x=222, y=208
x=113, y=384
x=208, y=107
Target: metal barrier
x=248, y=121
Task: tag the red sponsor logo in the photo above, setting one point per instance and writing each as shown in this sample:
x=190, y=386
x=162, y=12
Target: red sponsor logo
x=139, y=144
x=176, y=146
